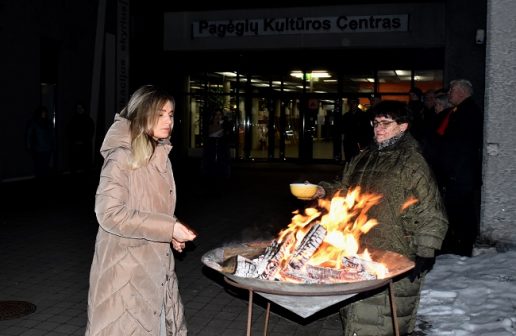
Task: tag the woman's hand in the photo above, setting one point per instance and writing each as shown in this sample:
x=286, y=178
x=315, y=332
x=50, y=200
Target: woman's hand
x=319, y=193
x=177, y=245
x=182, y=233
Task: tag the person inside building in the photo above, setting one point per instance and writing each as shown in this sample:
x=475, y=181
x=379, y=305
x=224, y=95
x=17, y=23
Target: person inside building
x=216, y=154
x=429, y=104
x=356, y=129
x=133, y=286
x=416, y=107
x=374, y=99
x=460, y=162
x=441, y=108
x=433, y=143
x=394, y=167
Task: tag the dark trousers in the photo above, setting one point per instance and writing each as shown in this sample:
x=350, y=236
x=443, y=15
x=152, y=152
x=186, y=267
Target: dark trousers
x=216, y=161
x=462, y=207
x=42, y=163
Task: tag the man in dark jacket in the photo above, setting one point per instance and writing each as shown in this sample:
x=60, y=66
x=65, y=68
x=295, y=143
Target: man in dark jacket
x=356, y=129
x=394, y=167
x=459, y=160
x=417, y=108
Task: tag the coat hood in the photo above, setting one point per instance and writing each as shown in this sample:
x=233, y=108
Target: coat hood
x=119, y=136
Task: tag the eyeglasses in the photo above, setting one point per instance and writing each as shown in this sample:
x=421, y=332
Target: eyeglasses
x=382, y=124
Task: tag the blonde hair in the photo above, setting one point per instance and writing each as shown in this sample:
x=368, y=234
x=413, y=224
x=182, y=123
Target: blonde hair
x=143, y=110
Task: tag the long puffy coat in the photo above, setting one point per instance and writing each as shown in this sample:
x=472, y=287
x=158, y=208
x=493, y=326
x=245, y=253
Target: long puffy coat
x=398, y=172
x=132, y=275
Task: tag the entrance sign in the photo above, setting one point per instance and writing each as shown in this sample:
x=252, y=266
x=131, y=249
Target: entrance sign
x=300, y=25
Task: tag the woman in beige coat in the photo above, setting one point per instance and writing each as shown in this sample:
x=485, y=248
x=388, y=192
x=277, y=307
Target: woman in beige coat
x=133, y=286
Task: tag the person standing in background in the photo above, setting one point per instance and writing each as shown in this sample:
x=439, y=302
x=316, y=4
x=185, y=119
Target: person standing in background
x=433, y=142
x=442, y=107
x=133, y=286
x=216, y=155
x=356, y=130
x=374, y=99
x=416, y=106
x=429, y=105
x=40, y=141
x=81, y=130
x=460, y=162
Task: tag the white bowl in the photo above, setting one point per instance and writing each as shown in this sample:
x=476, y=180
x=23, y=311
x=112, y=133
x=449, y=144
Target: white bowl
x=304, y=191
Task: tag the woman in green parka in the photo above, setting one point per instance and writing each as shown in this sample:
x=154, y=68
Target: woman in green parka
x=395, y=168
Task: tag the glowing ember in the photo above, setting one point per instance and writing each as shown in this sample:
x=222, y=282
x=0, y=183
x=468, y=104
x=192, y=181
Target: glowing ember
x=410, y=201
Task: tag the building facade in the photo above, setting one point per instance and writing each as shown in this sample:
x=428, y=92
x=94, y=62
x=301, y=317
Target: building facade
x=283, y=74
x=283, y=77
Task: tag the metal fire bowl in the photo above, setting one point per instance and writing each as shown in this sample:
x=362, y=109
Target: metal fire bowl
x=396, y=263
x=318, y=296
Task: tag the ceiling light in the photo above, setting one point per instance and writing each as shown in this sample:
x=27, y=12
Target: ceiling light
x=313, y=74
x=320, y=74
x=401, y=73
x=297, y=74
x=227, y=74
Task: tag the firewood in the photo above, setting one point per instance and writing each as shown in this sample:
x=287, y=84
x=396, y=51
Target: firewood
x=332, y=275
x=248, y=251
x=292, y=275
x=352, y=264
x=272, y=266
x=310, y=243
x=229, y=265
x=245, y=268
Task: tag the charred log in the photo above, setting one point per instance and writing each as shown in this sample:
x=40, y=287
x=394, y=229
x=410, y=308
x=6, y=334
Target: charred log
x=310, y=243
x=330, y=275
x=245, y=268
x=272, y=266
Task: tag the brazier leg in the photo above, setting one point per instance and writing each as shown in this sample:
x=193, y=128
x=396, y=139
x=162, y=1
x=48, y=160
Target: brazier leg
x=266, y=326
x=393, y=309
x=249, y=313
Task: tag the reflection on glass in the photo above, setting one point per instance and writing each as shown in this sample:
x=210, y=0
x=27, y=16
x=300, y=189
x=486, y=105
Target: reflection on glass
x=394, y=84
x=195, y=88
x=259, y=132
x=265, y=109
x=292, y=128
x=324, y=130
x=428, y=79
x=240, y=128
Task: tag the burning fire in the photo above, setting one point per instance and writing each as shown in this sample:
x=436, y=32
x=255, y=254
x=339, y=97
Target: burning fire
x=321, y=245
x=345, y=220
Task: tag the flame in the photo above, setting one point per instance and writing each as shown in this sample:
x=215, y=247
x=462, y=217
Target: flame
x=410, y=201
x=345, y=220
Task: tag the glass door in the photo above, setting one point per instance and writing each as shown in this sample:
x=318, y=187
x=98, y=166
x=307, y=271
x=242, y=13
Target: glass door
x=295, y=114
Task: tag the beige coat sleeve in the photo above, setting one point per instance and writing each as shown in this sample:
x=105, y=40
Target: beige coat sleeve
x=111, y=205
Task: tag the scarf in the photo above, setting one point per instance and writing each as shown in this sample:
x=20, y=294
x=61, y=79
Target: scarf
x=388, y=142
